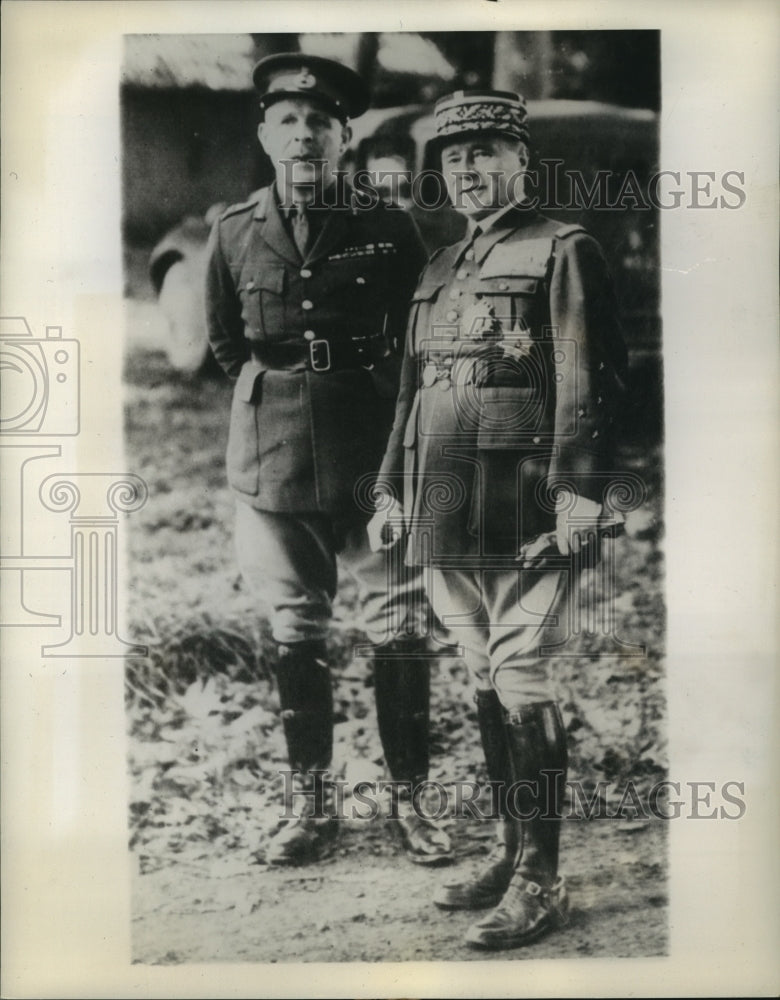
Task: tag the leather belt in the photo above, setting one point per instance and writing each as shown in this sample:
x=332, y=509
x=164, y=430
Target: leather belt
x=321, y=354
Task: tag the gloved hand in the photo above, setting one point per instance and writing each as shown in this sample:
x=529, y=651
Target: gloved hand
x=577, y=523
x=386, y=527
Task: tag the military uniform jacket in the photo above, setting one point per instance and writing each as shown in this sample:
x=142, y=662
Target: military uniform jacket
x=510, y=383
x=302, y=440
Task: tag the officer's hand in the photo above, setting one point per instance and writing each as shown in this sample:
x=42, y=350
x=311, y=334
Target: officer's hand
x=386, y=527
x=577, y=523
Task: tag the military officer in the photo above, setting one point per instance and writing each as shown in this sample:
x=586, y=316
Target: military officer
x=306, y=299
x=497, y=467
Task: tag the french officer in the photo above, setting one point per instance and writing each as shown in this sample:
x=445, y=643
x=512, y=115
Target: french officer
x=307, y=293
x=498, y=466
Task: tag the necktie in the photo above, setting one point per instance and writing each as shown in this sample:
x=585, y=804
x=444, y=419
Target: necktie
x=300, y=228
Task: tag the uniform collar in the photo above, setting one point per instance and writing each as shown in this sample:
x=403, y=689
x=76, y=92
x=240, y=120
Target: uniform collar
x=495, y=228
x=269, y=213
x=486, y=224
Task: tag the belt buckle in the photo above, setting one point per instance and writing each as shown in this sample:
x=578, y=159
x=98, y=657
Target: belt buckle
x=319, y=355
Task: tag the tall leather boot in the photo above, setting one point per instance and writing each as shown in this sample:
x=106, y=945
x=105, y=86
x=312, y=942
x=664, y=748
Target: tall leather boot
x=486, y=885
x=535, y=901
x=402, y=692
x=306, y=700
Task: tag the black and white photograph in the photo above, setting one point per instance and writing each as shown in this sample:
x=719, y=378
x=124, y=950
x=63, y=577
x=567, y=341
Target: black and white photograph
x=296, y=668
x=389, y=424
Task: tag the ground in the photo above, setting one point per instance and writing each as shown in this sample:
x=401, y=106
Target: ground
x=206, y=747
x=368, y=904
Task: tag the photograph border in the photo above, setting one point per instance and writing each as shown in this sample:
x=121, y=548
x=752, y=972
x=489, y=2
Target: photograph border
x=66, y=867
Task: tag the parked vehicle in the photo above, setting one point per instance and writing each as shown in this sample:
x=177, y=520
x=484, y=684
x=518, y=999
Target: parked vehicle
x=583, y=152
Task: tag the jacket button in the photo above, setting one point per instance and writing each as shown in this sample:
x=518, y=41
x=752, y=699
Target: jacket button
x=462, y=273
x=305, y=272
x=309, y=334
x=595, y=434
x=452, y=316
x=537, y=440
x=250, y=285
x=360, y=280
x=503, y=286
x=307, y=304
x=469, y=255
x=455, y=293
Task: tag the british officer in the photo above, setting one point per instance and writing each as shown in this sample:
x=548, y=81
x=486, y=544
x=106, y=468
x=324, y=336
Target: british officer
x=498, y=463
x=306, y=300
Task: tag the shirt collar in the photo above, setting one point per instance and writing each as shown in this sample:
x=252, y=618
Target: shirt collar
x=489, y=221
x=290, y=209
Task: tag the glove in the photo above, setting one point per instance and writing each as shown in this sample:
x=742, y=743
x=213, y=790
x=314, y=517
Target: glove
x=577, y=523
x=386, y=527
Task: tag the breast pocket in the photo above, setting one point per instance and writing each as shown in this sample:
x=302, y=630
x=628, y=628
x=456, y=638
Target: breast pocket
x=357, y=295
x=262, y=302
x=514, y=299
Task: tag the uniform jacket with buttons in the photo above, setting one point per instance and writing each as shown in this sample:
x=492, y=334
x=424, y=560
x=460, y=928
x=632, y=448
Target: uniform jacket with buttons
x=512, y=374
x=301, y=440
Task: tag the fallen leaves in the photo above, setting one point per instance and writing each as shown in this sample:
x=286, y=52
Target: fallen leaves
x=206, y=743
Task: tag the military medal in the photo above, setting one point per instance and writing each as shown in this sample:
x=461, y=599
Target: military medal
x=479, y=321
x=429, y=375
x=518, y=343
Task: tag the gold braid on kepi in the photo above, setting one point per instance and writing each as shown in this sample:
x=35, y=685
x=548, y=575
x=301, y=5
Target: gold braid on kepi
x=293, y=74
x=468, y=114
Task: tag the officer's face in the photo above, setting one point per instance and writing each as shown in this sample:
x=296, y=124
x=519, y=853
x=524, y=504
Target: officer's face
x=483, y=174
x=304, y=142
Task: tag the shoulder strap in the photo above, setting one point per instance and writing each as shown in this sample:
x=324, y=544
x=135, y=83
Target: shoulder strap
x=245, y=206
x=560, y=234
x=569, y=230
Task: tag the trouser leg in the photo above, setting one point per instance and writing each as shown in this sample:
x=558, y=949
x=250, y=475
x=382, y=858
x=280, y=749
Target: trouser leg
x=535, y=901
x=513, y=613
x=396, y=618
x=289, y=564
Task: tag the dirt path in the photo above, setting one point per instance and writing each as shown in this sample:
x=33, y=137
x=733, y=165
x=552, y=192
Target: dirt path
x=367, y=903
x=206, y=746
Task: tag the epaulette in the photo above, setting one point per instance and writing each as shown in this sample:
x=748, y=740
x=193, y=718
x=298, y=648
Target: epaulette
x=244, y=206
x=439, y=263
x=569, y=230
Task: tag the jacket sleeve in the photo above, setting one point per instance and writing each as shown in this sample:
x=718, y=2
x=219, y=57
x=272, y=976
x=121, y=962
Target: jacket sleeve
x=391, y=470
x=223, y=309
x=589, y=366
x=410, y=262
